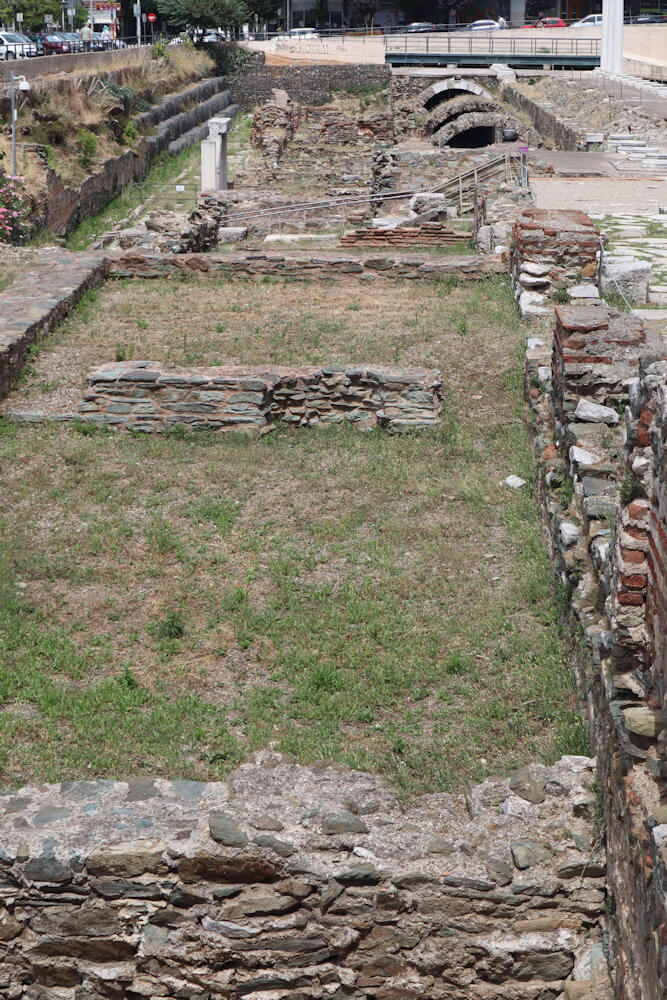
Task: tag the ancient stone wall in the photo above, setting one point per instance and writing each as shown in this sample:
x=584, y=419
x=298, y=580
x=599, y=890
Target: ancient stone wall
x=303, y=266
x=288, y=882
x=39, y=301
x=603, y=483
x=143, y=396
x=545, y=117
x=304, y=84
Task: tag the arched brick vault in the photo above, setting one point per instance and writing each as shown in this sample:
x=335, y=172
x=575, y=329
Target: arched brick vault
x=461, y=105
x=473, y=120
x=444, y=90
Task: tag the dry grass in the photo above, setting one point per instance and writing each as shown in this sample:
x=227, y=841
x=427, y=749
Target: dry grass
x=170, y=604
x=210, y=321
x=73, y=109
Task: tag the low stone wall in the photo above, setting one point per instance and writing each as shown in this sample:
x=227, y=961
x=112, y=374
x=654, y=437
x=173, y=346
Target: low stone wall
x=38, y=301
x=602, y=478
x=596, y=356
x=428, y=232
x=142, y=396
x=303, y=266
x=289, y=882
x=304, y=84
x=549, y=250
x=545, y=118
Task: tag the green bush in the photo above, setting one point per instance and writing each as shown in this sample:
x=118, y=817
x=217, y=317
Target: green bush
x=229, y=59
x=86, y=144
x=159, y=50
x=130, y=133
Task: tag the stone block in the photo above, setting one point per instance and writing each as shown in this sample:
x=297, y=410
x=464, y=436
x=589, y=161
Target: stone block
x=626, y=276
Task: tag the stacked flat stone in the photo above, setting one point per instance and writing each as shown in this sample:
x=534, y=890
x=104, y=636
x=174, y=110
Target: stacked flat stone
x=552, y=246
x=304, y=265
x=603, y=485
x=143, y=396
x=290, y=882
x=638, y=594
x=427, y=232
x=338, y=129
x=39, y=300
x=596, y=355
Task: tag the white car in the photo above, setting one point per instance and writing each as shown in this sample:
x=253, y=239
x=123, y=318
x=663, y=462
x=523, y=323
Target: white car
x=303, y=33
x=483, y=26
x=13, y=46
x=592, y=21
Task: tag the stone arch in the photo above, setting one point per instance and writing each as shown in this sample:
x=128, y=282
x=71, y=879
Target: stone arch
x=448, y=110
x=444, y=90
x=483, y=127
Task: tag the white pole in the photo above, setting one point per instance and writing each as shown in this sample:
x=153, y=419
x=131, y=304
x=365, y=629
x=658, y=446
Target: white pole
x=14, y=170
x=611, y=54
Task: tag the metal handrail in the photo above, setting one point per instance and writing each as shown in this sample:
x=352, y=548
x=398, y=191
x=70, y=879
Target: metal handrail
x=494, y=42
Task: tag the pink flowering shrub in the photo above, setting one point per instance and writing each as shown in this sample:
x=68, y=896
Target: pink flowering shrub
x=13, y=209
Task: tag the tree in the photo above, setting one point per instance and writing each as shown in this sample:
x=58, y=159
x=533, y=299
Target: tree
x=34, y=12
x=204, y=13
x=365, y=10
x=263, y=10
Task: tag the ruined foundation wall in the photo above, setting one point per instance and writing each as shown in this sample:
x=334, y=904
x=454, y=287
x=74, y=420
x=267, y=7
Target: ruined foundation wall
x=304, y=84
x=545, y=118
x=286, y=881
x=603, y=486
x=304, y=266
x=147, y=397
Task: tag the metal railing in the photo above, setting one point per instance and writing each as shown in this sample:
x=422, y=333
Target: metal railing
x=33, y=48
x=492, y=43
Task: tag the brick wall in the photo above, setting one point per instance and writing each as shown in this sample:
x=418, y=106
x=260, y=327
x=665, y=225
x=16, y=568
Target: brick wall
x=599, y=421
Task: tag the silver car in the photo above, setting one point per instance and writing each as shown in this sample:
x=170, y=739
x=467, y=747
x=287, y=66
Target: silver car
x=15, y=46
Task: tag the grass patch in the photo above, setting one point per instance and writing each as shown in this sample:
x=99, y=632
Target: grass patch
x=171, y=604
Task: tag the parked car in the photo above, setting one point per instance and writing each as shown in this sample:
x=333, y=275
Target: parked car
x=303, y=33
x=72, y=39
x=546, y=22
x=14, y=46
x=485, y=25
x=53, y=44
x=419, y=27
x=591, y=21
x=31, y=48
x=649, y=19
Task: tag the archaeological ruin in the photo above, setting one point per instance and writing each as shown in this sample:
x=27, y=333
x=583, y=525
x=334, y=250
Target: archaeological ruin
x=333, y=563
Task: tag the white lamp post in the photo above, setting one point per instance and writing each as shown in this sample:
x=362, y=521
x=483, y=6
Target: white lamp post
x=24, y=86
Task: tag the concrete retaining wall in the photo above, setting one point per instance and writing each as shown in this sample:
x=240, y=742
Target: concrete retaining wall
x=77, y=62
